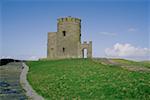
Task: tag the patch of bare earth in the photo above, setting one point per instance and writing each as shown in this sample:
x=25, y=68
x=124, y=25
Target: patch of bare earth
x=136, y=68
x=129, y=67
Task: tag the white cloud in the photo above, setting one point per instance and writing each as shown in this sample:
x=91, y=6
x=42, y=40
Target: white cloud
x=33, y=58
x=127, y=50
x=132, y=29
x=108, y=33
x=23, y=57
x=1, y=57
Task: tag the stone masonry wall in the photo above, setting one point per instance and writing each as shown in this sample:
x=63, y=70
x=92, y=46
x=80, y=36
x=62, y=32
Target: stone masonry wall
x=66, y=42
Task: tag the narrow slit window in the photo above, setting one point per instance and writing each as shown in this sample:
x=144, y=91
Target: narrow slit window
x=64, y=33
x=63, y=49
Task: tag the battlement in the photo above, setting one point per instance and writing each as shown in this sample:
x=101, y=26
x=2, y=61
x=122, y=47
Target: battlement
x=90, y=42
x=69, y=19
x=85, y=42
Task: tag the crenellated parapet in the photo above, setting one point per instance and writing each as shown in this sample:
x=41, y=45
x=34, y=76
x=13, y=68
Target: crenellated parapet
x=85, y=42
x=90, y=42
x=69, y=19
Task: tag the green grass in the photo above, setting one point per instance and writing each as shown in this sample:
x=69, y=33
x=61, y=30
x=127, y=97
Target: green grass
x=87, y=80
x=145, y=63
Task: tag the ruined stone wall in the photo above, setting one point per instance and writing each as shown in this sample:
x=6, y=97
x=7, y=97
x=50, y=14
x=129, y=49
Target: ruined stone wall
x=87, y=46
x=51, y=46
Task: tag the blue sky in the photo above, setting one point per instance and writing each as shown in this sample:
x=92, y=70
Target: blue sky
x=117, y=28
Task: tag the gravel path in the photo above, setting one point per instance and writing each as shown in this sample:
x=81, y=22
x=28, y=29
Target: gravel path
x=29, y=91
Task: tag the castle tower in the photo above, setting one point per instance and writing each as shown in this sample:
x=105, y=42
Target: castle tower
x=66, y=42
x=68, y=37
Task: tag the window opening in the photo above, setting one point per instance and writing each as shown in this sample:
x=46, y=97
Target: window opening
x=64, y=33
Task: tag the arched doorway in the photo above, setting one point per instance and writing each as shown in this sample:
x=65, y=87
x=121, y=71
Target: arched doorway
x=84, y=53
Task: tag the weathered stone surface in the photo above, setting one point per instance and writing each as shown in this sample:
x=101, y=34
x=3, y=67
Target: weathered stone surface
x=66, y=42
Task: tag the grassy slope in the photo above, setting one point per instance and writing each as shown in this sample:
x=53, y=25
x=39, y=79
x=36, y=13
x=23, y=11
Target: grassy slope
x=85, y=79
x=133, y=63
x=146, y=63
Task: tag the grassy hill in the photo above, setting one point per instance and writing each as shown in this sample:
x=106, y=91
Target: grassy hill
x=87, y=79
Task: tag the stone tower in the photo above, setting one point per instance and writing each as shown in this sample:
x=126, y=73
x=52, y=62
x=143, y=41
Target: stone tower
x=66, y=42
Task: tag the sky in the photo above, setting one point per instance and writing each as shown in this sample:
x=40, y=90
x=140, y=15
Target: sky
x=117, y=28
